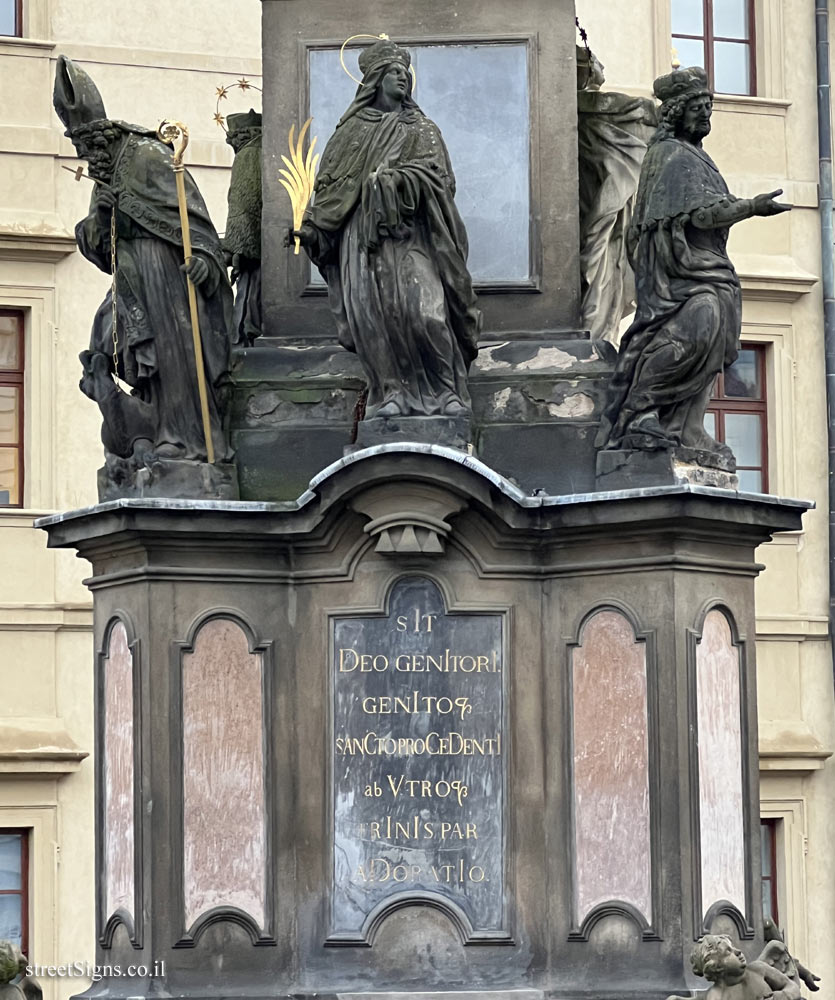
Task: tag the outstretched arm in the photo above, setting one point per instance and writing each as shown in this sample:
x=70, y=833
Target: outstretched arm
x=731, y=210
x=777, y=981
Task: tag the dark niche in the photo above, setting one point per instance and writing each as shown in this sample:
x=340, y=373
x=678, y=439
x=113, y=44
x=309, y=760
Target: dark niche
x=419, y=766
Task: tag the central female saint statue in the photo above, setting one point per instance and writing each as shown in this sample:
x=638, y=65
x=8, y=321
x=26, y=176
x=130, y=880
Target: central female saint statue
x=386, y=235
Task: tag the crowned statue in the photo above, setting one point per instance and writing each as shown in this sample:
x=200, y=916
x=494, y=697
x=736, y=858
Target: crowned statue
x=386, y=235
x=689, y=304
x=242, y=240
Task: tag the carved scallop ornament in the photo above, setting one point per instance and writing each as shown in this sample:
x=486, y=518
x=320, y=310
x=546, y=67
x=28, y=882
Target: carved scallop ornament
x=408, y=518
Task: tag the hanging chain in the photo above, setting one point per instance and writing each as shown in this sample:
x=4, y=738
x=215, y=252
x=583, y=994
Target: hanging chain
x=113, y=290
x=583, y=36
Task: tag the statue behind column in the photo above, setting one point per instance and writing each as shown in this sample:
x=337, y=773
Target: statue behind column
x=689, y=304
x=386, y=235
x=242, y=239
x=142, y=333
x=612, y=135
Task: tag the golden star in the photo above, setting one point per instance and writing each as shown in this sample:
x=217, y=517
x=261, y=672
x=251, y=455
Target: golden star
x=243, y=83
x=222, y=92
x=220, y=119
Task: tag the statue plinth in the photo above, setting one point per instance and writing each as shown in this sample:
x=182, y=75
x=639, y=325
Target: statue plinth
x=453, y=432
x=393, y=719
x=625, y=468
x=167, y=477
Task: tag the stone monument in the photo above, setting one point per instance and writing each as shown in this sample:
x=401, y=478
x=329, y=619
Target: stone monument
x=365, y=732
x=689, y=314
x=386, y=235
x=162, y=439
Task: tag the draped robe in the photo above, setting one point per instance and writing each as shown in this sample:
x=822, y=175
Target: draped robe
x=393, y=249
x=689, y=304
x=155, y=348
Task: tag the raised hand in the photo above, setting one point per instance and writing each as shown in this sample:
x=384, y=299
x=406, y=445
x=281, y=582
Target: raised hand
x=764, y=204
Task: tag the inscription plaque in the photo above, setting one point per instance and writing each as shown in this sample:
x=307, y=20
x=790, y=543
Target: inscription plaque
x=419, y=772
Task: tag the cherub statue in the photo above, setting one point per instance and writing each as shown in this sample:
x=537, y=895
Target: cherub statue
x=718, y=960
x=777, y=955
x=13, y=964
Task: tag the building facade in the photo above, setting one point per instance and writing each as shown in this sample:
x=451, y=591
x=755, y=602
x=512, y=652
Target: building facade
x=168, y=62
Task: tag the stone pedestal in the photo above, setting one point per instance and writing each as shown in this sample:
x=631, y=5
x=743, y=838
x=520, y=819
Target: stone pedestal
x=367, y=741
x=536, y=406
x=164, y=477
x=451, y=432
x=625, y=469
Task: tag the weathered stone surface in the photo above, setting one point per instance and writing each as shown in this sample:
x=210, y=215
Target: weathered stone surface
x=454, y=432
x=535, y=410
x=307, y=577
x=628, y=469
x=174, y=478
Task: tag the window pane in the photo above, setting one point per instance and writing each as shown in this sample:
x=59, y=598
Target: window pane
x=9, y=339
x=766, y=835
x=742, y=379
x=730, y=18
x=9, y=416
x=488, y=139
x=743, y=435
x=9, y=476
x=710, y=423
x=690, y=52
x=10, y=852
x=730, y=68
x=750, y=480
x=11, y=923
x=7, y=17
x=687, y=17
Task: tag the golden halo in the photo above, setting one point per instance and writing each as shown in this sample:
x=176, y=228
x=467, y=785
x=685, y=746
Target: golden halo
x=377, y=38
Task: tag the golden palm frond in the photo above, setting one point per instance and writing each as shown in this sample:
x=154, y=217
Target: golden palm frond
x=300, y=173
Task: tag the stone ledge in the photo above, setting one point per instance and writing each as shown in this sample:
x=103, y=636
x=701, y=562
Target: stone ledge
x=37, y=746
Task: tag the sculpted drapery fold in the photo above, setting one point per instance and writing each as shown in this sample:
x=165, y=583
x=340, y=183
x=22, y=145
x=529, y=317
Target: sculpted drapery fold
x=386, y=235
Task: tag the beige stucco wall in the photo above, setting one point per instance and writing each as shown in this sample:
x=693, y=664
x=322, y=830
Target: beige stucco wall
x=167, y=62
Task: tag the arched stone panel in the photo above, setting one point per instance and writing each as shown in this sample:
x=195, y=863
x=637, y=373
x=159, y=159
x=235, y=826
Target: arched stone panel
x=118, y=775
x=721, y=793
x=610, y=727
x=224, y=806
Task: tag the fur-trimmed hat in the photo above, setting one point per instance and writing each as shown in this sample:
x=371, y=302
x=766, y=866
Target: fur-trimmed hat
x=687, y=83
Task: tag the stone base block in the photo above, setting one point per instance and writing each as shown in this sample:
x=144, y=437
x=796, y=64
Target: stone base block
x=536, y=407
x=633, y=469
x=452, y=432
x=167, y=477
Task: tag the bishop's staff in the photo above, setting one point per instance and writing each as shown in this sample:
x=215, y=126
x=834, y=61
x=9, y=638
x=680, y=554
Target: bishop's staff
x=176, y=135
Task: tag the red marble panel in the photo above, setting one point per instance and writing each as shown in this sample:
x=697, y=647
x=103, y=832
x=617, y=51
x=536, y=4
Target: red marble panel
x=611, y=767
x=118, y=773
x=224, y=810
x=721, y=803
